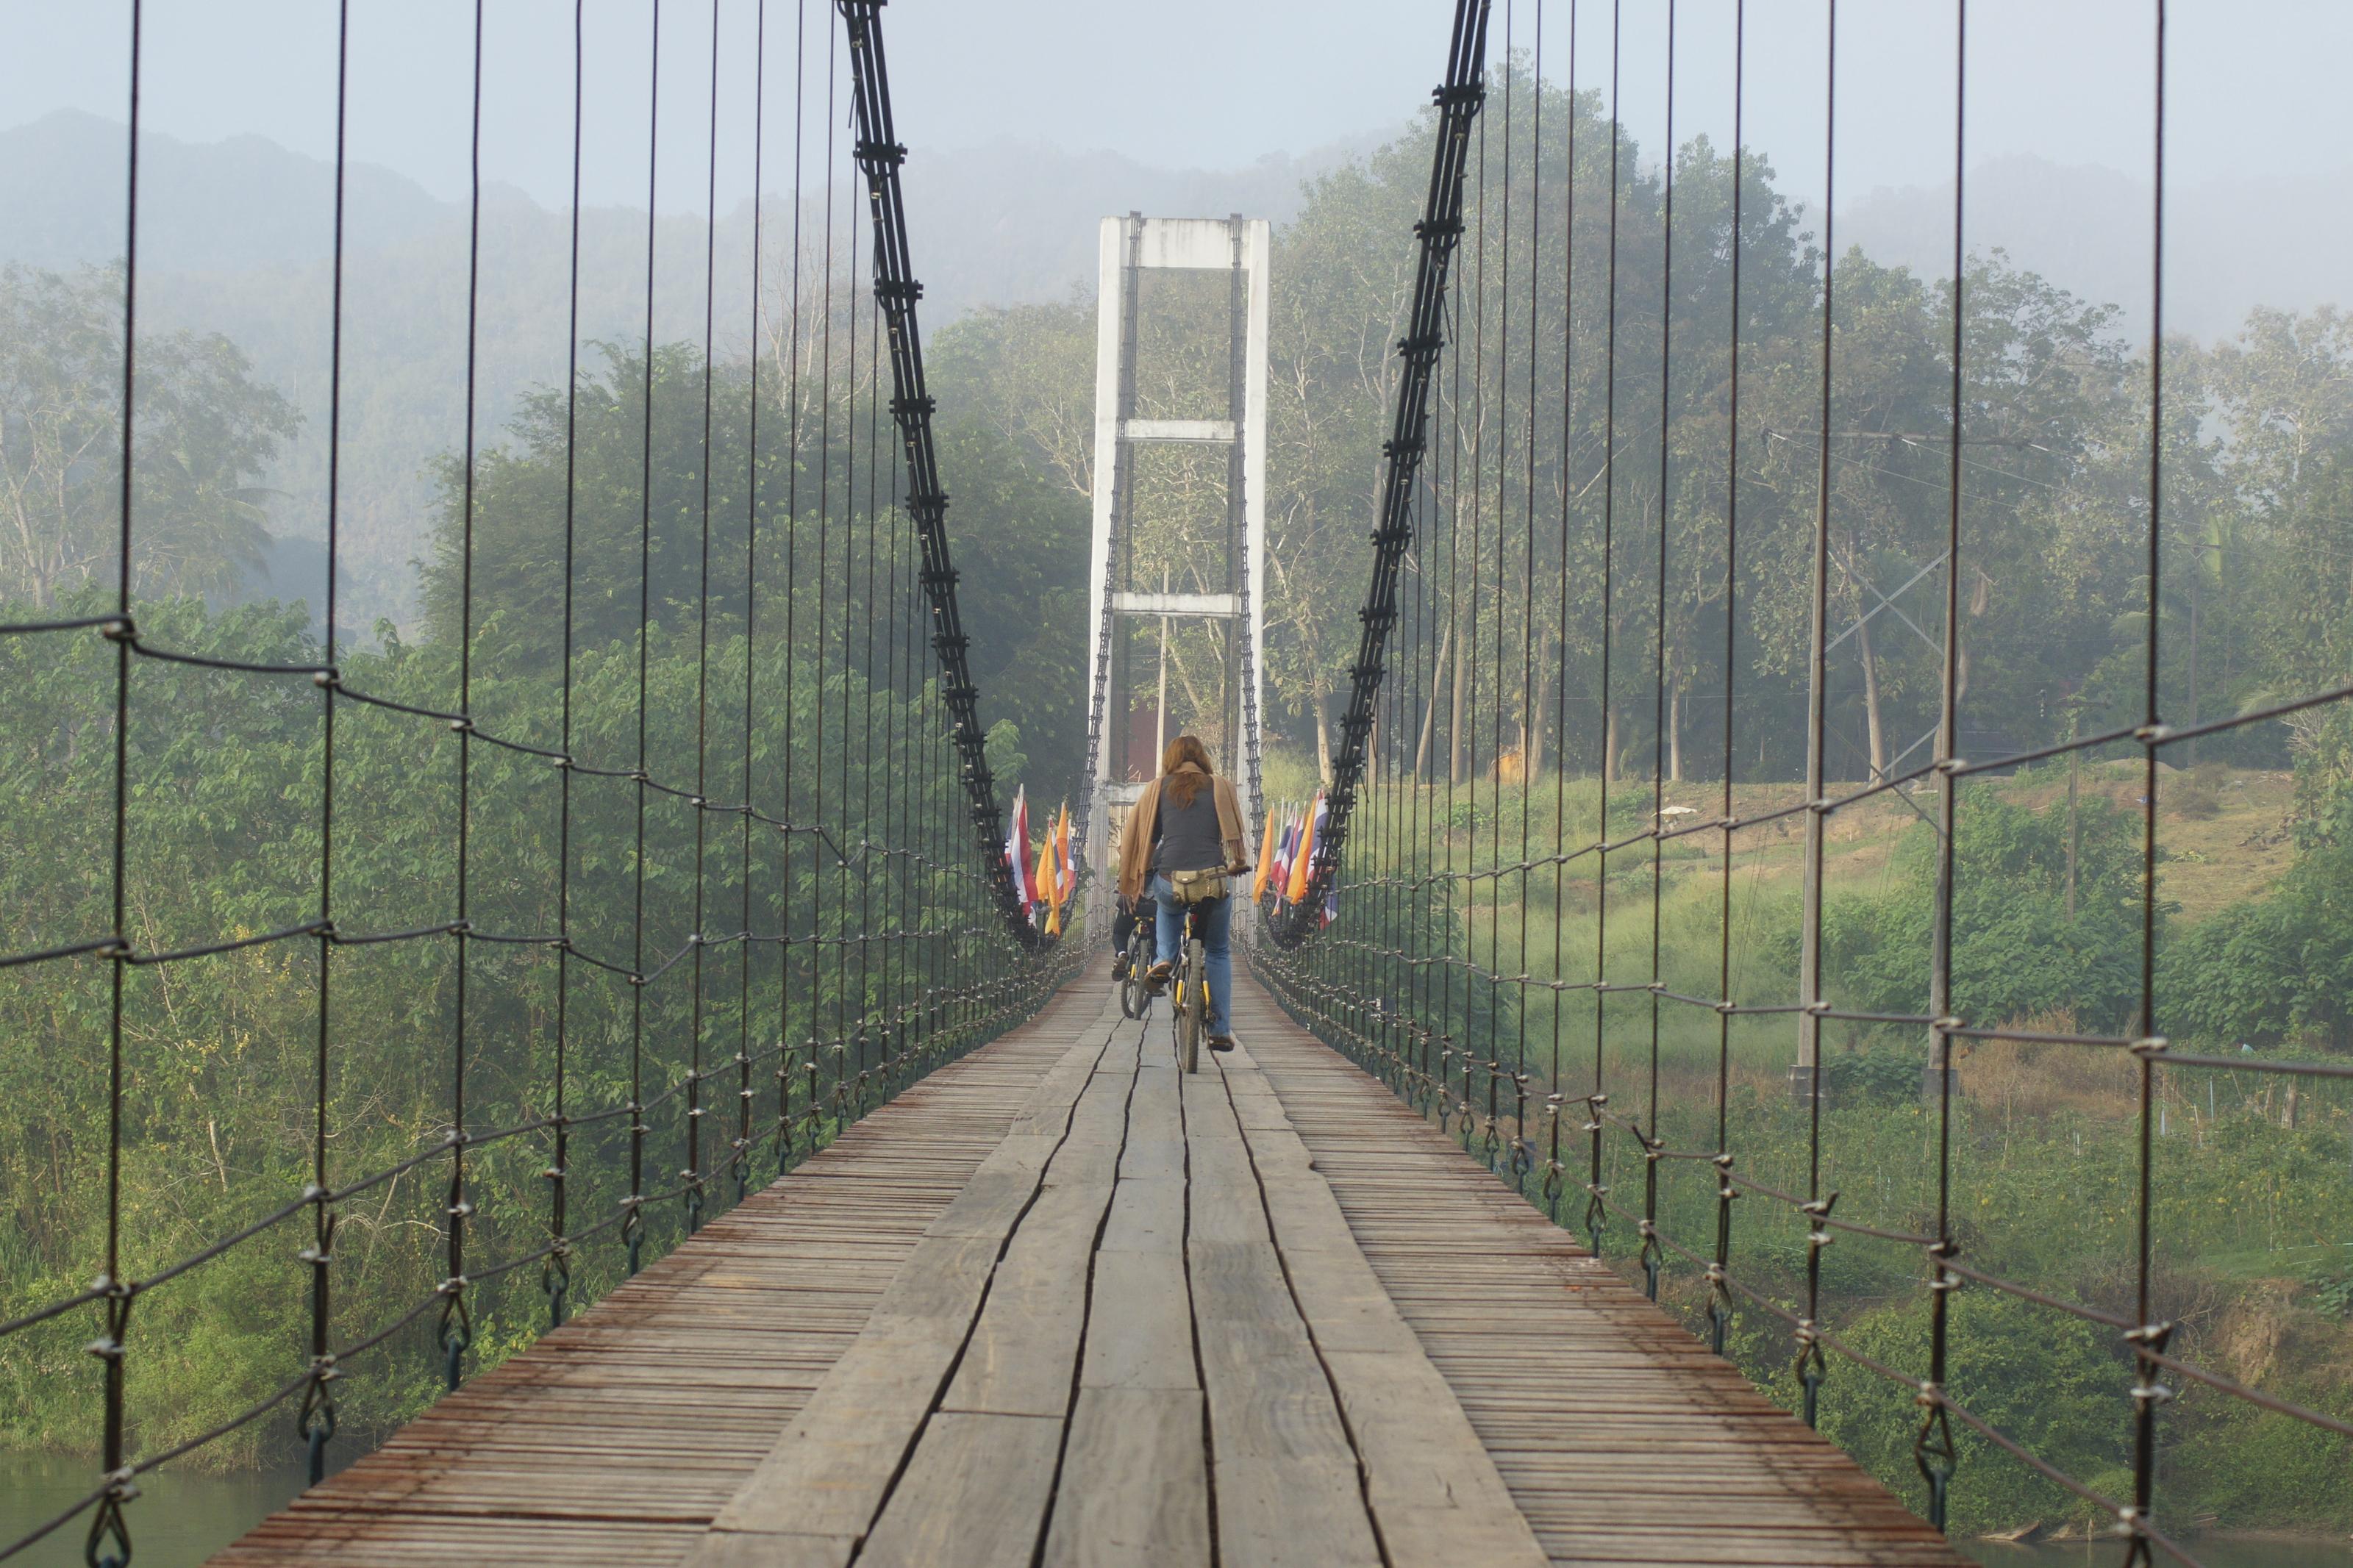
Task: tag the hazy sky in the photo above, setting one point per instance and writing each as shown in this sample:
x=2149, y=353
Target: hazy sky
x=1198, y=83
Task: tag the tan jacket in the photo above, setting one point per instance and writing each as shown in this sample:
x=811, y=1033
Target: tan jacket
x=1135, y=839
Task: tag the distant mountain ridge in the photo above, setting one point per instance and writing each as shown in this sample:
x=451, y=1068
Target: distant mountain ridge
x=1003, y=223
x=236, y=238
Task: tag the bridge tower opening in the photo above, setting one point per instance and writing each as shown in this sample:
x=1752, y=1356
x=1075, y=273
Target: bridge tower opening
x=1179, y=532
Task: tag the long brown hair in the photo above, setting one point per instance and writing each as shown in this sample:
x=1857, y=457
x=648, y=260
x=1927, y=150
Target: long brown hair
x=1183, y=786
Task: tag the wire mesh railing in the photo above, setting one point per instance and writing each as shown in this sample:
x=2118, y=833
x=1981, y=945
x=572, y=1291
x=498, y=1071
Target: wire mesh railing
x=659, y=847
x=1621, y=508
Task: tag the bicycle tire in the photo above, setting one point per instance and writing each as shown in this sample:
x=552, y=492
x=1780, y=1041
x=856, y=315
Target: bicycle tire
x=1197, y=1005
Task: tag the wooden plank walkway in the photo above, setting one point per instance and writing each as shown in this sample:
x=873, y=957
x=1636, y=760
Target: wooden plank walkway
x=1063, y=1304
x=1622, y=1439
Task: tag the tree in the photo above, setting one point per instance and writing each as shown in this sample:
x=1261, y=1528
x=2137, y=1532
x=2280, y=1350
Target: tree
x=205, y=431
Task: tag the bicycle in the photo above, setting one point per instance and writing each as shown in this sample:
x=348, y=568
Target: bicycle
x=1189, y=981
x=1191, y=987
x=1134, y=988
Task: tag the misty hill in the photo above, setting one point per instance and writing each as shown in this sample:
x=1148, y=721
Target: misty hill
x=2230, y=246
x=236, y=238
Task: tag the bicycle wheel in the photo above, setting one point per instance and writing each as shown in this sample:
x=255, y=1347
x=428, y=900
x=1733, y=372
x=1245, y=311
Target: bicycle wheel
x=1197, y=1005
x=1134, y=994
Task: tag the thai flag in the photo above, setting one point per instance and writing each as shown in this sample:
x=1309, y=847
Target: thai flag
x=1017, y=853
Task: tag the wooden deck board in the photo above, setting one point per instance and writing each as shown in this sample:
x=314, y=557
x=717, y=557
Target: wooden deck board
x=1620, y=1437
x=1060, y=1298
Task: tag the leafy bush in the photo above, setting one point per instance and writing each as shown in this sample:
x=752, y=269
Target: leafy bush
x=2277, y=969
x=2016, y=950
x=2051, y=1382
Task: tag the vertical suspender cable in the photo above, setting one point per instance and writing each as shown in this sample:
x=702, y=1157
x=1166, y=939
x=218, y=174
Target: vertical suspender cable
x=457, y=1331
x=1651, y=1256
x=691, y=1177
x=556, y=1277
x=1531, y=721
x=740, y=1155
x=316, y=1422
x=1555, y=1171
x=1810, y=1364
x=633, y=1226
x=1932, y=1445
x=108, y=1540
x=787, y=1064
x=1597, y=1191
x=2149, y=1336
x=1719, y=1300
x=817, y=841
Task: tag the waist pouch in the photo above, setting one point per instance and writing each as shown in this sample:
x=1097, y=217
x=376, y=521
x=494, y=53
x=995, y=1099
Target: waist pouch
x=1197, y=886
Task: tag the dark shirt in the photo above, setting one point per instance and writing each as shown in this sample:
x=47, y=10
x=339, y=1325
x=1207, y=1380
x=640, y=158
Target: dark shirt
x=1185, y=837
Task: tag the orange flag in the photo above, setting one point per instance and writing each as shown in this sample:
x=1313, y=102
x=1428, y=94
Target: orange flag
x=1306, y=854
x=1046, y=886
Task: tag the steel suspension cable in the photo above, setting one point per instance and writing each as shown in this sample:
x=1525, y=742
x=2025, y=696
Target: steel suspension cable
x=1650, y=1257
x=456, y=1331
x=1595, y=1191
x=633, y=1223
x=316, y=1422
x=740, y=1156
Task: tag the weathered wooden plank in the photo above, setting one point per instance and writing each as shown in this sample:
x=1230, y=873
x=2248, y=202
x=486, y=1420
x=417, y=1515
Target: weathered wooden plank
x=1145, y=1216
x=1287, y=1490
x=1134, y=1490
x=1140, y=1325
x=1019, y=1357
x=973, y=1495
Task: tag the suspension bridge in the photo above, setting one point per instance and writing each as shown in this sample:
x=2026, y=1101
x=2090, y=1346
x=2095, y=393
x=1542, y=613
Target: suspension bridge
x=799, y=1193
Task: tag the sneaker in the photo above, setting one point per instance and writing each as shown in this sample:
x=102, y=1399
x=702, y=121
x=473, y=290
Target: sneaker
x=1156, y=977
x=1118, y=966
x=1221, y=1042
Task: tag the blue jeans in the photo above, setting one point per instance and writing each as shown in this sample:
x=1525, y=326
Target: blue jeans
x=1217, y=927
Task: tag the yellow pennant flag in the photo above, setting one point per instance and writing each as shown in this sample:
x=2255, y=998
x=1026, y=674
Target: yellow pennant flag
x=1046, y=886
x=1265, y=857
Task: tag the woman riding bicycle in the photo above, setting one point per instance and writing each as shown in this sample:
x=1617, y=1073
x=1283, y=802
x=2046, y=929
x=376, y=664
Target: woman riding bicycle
x=1188, y=819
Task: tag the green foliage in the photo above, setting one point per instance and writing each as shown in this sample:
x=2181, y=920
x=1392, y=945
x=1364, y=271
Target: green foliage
x=2051, y=1382
x=2016, y=950
x=1883, y=1073
x=224, y=770
x=2277, y=970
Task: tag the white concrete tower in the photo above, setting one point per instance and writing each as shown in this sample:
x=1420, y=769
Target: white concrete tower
x=1128, y=247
